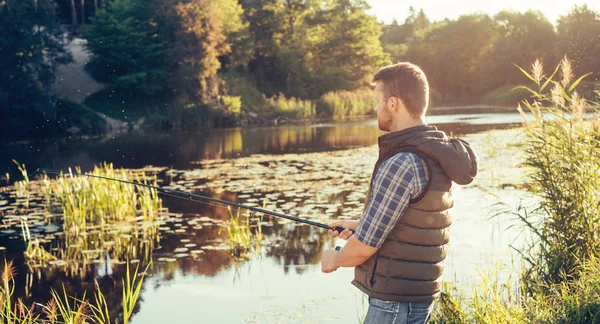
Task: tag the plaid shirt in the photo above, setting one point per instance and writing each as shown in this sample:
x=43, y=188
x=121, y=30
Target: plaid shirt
x=398, y=180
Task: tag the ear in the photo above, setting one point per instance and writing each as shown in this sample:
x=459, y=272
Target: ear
x=395, y=103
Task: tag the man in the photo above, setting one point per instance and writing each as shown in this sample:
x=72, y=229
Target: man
x=400, y=242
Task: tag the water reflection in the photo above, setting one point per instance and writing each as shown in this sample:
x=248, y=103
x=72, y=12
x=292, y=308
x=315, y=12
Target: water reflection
x=179, y=149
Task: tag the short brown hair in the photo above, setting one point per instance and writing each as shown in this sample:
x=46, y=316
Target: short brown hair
x=407, y=82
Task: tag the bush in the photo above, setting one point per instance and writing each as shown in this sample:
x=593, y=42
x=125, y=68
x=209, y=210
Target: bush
x=233, y=105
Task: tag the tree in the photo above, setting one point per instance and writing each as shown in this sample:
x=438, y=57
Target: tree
x=395, y=37
x=128, y=45
x=199, y=42
x=348, y=51
x=579, y=39
x=524, y=37
x=73, y=16
x=82, y=11
x=30, y=51
x=265, y=24
x=453, y=55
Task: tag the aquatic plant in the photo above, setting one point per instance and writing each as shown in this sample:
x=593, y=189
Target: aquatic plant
x=238, y=233
x=563, y=155
x=66, y=309
x=88, y=201
x=101, y=219
x=35, y=254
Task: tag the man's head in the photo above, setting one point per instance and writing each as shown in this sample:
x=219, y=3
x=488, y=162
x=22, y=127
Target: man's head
x=402, y=95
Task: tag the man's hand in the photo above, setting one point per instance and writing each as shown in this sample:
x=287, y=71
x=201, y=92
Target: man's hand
x=347, y=224
x=328, y=261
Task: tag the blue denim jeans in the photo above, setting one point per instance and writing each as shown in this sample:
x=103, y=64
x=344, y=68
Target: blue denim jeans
x=391, y=312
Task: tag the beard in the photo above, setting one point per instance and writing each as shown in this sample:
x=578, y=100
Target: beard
x=384, y=119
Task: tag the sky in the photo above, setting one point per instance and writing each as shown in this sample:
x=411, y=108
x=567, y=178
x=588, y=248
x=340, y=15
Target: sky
x=387, y=10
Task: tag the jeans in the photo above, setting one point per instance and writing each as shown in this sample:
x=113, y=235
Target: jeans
x=391, y=312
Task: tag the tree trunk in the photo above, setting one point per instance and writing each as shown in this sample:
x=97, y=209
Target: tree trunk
x=73, y=16
x=82, y=10
x=95, y=6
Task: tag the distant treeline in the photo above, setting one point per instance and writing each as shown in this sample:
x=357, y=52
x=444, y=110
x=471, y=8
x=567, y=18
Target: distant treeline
x=185, y=63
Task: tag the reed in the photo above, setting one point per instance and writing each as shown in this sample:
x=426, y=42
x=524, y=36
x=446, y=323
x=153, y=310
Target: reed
x=290, y=107
x=239, y=234
x=563, y=155
x=22, y=187
x=65, y=309
x=88, y=201
x=35, y=254
x=342, y=104
x=101, y=217
x=560, y=282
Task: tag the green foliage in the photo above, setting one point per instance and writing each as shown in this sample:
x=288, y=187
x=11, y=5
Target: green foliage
x=30, y=51
x=244, y=86
x=199, y=41
x=233, y=105
x=578, y=35
x=122, y=106
x=127, y=47
x=491, y=302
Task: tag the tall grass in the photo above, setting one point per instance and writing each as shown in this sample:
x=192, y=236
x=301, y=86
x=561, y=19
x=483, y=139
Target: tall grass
x=88, y=201
x=242, y=240
x=66, y=309
x=576, y=301
x=239, y=234
x=560, y=282
x=290, y=107
x=563, y=155
x=341, y=104
x=35, y=254
x=22, y=187
x=99, y=216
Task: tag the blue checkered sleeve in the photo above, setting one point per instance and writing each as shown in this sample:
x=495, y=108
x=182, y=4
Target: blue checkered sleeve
x=398, y=180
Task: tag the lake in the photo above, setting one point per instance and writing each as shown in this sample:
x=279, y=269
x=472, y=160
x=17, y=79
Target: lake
x=318, y=172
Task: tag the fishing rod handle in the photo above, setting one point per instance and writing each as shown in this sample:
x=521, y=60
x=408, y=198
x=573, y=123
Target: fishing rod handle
x=340, y=229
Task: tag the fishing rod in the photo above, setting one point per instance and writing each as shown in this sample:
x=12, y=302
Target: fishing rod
x=189, y=197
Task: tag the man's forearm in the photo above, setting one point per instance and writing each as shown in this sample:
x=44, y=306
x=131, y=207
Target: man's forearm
x=354, y=253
